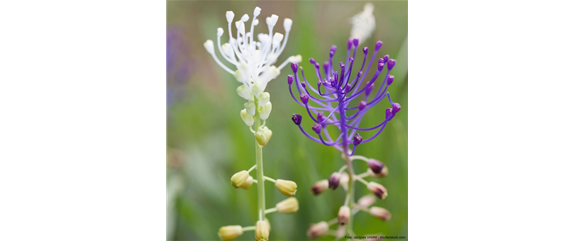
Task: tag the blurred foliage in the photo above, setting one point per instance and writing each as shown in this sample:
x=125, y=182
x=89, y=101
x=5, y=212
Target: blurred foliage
x=207, y=141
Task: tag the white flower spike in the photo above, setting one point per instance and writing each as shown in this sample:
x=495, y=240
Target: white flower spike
x=253, y=58
x=363, y=23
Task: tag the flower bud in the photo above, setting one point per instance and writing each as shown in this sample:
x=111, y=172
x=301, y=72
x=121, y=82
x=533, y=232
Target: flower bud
x=261, y=231
x=231, y=232
x=321, y=117
x=247, y=183
x=366, y=201
x=209, y=46
x=268, y=224
x=334, y=180
x=344, y=215
x=378, y=45
x=261, y=137
x=244, y=92
x=289, y=79
x=246, y=117
x=362, y=105
x=377, y=189
x=316, y=128
x=304, y=98
x=356, y=42
x=265, y=110
x=365, y=50
x=357, y=139
x=289, y=205
x=296, y=118
x=384, y=172
x=294, y=67
x=396, y=107
x=391, y=64
x=250, y=107
x=385, y=58
x=238, y=179
x=268, y=133
x=344, y=179
x=375, y=166
x=320, y=187
x=380, y=213
x=263, y=99
x=288, y=188
x=317, y=230
x=389, y=113
x=390, y=79
x=369, y=89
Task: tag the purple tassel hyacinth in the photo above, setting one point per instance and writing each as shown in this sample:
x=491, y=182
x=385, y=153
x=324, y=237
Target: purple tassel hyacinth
x=336, y=88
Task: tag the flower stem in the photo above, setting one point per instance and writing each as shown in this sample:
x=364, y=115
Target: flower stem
x=260, y=176
x=351, y=191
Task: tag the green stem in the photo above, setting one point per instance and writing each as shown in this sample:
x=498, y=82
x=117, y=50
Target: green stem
x=351, y=191
x=260, y=176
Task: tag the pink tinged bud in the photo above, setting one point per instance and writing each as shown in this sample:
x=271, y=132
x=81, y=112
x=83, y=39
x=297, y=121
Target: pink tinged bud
x=344, y=215
x=383, y=172
x=390, y=79
x=378, y=45
x=294, y=67
x=296, y=118
x=377, y=189
x=304, y=98
x=389, y=113
x=290, y=79
x=357, y=139
x=391, y=63
x=320, y=187
x=366, y=201
x=375, y=166
x=347, y=88
x=316, y=128
x=369, y=89
x=396, y=108
x=362, y=105
x=380, y=213
x=317, y=230
x=334, y=180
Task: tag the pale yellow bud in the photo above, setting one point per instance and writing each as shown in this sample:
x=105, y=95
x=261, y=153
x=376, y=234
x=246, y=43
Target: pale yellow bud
x=244, y=92
x=268, y=133
x=265, y=110
x=380, y=213
x=366, y=201
x=268, y=224
x=288, y=188
x=262, y=231
x=344, y=215
x=317, y=230
x=227, y=233
x=239, y=179
x=261, y=137
x=247, y=183
x=289, y=205
x=246, y=117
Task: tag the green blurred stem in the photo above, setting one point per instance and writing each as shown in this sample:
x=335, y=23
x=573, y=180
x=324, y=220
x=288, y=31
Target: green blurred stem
x=351, y=191
x=260, y=176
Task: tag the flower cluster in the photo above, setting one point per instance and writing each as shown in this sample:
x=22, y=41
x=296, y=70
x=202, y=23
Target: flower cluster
x=340, y=87
x=253, y=60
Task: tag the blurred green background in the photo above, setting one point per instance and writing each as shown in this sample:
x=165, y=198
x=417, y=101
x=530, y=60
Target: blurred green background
x=208, y=142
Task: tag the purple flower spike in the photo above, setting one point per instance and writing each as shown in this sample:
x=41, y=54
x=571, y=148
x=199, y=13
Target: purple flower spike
x=369, y=89
x=396, y=108
x=296, y=118
x=392, y=63
x=304, y=98
x=290, y=79
x=390, y=79
x=341, y=88
x=320, y=117
x=357, y=139
x=294, y=67
x=389, y=113
x=378, y=45
x=317, y=128
x=362, y=105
